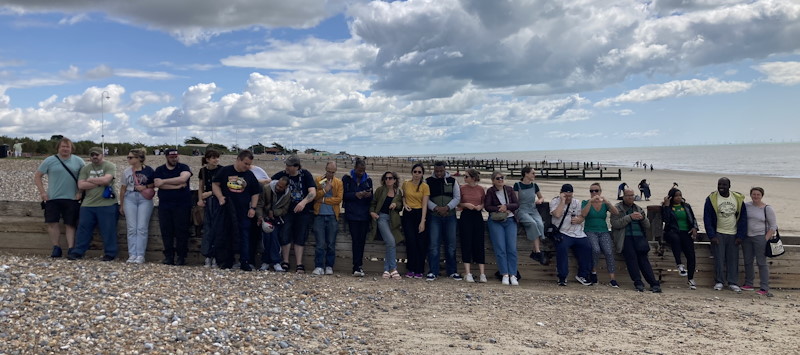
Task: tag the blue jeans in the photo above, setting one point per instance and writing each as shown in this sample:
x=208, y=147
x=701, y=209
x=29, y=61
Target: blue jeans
x=105, y=218
x=583, y=252
x=390, y=260
x=272, y=248
x=325, y=229
x=137, y=216
x=442, y=229
x=504, y=241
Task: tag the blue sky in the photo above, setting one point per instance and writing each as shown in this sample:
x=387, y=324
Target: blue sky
x=404, y=77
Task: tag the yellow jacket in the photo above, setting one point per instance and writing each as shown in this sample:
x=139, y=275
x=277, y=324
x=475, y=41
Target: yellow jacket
x=335, y=201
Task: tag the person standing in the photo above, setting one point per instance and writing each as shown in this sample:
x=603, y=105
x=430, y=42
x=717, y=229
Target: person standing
x=99, y=207
x=61, y=199
x=501, y=201
x=326, y=220
x=174, y=207
x=135, y=204
x=415, y=200
x=17, y=149
x=595, y=211
x=385, y=209
x=528, y=215
x=237, y=190
x=725, y=219
x=680, y=229
x=630, y=226
x=445, y=196
x=471, y=226
x=294, y=232
x=762, y=224
x=212, y=226
x=565, y=214
x=357, y=198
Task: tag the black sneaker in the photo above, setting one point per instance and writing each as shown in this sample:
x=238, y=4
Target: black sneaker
x=168, y=261
x=456, y=276
x=593, y=278
x=536, y=256
x=544, y=260
x=180, y=261
x=107, y=258
x=562, y=282
x=246, y=267
x=656, y=289
x=56, y=252
x=74, y=256
x=639, y=288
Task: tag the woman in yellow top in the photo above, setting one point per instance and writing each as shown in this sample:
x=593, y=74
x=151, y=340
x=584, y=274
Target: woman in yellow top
x=415, y=199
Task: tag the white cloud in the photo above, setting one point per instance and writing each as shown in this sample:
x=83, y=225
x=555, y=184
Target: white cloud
x=71, y=20
x=678, y=88
x=641, y=134
x=152, y=75
x=311, y=54
x=568, y=135
x=193, y=21
x=783, y=73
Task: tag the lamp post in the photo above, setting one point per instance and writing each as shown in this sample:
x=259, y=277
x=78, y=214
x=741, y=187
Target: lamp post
x=103, y=96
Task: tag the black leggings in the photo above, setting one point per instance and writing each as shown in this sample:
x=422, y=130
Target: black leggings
x=416, y=243
x=472, y=231
x=682, y=242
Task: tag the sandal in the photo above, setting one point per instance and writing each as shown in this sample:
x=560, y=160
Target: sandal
x=301, y=269
x=386, y=275
x=285, y=267
x=396, y=275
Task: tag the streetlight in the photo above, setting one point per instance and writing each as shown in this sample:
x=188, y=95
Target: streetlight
x=103, y=95
x=180, y=114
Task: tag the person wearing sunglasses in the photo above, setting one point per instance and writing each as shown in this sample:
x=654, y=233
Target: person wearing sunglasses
x=595, y=211
x=415, y=198
x=99, y=209
x=134, y=205
x=501, y=203
x=385, y=209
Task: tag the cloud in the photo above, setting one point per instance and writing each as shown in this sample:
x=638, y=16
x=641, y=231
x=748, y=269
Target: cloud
x=642, y=135
x=678, y=88
x=782, y=73
x=193, y=21
x=131, y=73
x=562, y=135
x=435, y=48
x=311, y=54
x=73, y=19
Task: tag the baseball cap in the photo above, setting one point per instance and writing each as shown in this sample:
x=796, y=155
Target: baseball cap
x=566, y=188
x=95, y=150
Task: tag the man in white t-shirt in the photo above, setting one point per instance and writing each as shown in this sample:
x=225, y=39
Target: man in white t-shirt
x=725, y=220
x=566, y=215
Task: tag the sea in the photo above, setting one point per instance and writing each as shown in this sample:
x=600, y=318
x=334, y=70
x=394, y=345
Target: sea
x=772, y=159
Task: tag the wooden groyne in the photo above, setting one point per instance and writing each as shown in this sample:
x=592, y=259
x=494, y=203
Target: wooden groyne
x=22, y=231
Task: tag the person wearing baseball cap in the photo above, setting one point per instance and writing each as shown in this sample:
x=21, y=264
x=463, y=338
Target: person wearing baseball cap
x=174, y=207
x=99, y=207
x=565, y=213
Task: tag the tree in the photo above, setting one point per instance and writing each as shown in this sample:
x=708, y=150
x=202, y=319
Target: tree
x=193, y=140
x=280, y=148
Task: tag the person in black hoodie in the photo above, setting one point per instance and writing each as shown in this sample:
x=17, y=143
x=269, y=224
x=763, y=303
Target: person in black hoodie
x=680, y=229
x=357, y=199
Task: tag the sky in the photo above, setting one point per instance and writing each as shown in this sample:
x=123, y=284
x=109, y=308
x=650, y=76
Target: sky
x=403, y=77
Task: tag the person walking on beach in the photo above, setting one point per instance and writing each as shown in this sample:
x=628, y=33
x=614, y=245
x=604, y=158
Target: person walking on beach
x=136, y=203
x=326, y=219
x=99, y=207
x=415, y=201
x=620, y=189
x=530, y=197
x=644, y=190
x=680, y=230
x=174, y=207
x=237, y=190
x=565, y=214
x=61, y=199
x=357, y=198
x=725, y=219
x=445, y=196
x=294, y=232
x=762, y=224
x=595, y=210
x=630, y=231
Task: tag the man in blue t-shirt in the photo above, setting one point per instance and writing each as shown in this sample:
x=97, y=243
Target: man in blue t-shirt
x=174, y=207
x=237, y=190
x=62, y=195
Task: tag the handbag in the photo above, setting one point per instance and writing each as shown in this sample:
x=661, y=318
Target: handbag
x=774, y=246
x=108, y=192
x=148, y=192
x=500, y=216
x=552, y=231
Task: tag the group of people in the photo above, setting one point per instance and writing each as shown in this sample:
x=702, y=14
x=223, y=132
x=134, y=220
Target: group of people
x=244, y=207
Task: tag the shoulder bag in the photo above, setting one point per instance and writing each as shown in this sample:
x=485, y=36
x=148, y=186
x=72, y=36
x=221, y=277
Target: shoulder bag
x=775, y=245
x=500, y=216
x=70, y=174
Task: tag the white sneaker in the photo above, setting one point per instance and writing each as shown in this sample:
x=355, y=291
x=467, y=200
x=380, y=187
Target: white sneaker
x=482, y=279
x=139, y=259
x=264, y=267
x=469, y=278
x=328, y=270
x=358, y=273
x=236, y=265
x=505, y=280
x=213, y=263
x=692, y=285
x=682, y=270
x=277, y=267
x=131, y=259
x=583, y=281
x=735, y=288
x=514, y=281
x=718, y=286
x=318, y=271
x=208, y=262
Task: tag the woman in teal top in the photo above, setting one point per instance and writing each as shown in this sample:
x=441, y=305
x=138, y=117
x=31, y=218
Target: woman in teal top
x=595, y=211
x=680, y=229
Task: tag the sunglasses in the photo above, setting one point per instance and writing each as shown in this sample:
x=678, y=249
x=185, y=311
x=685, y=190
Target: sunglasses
x=417, y=171
x=94, y=154
x=499, y=178
x=594, y=190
